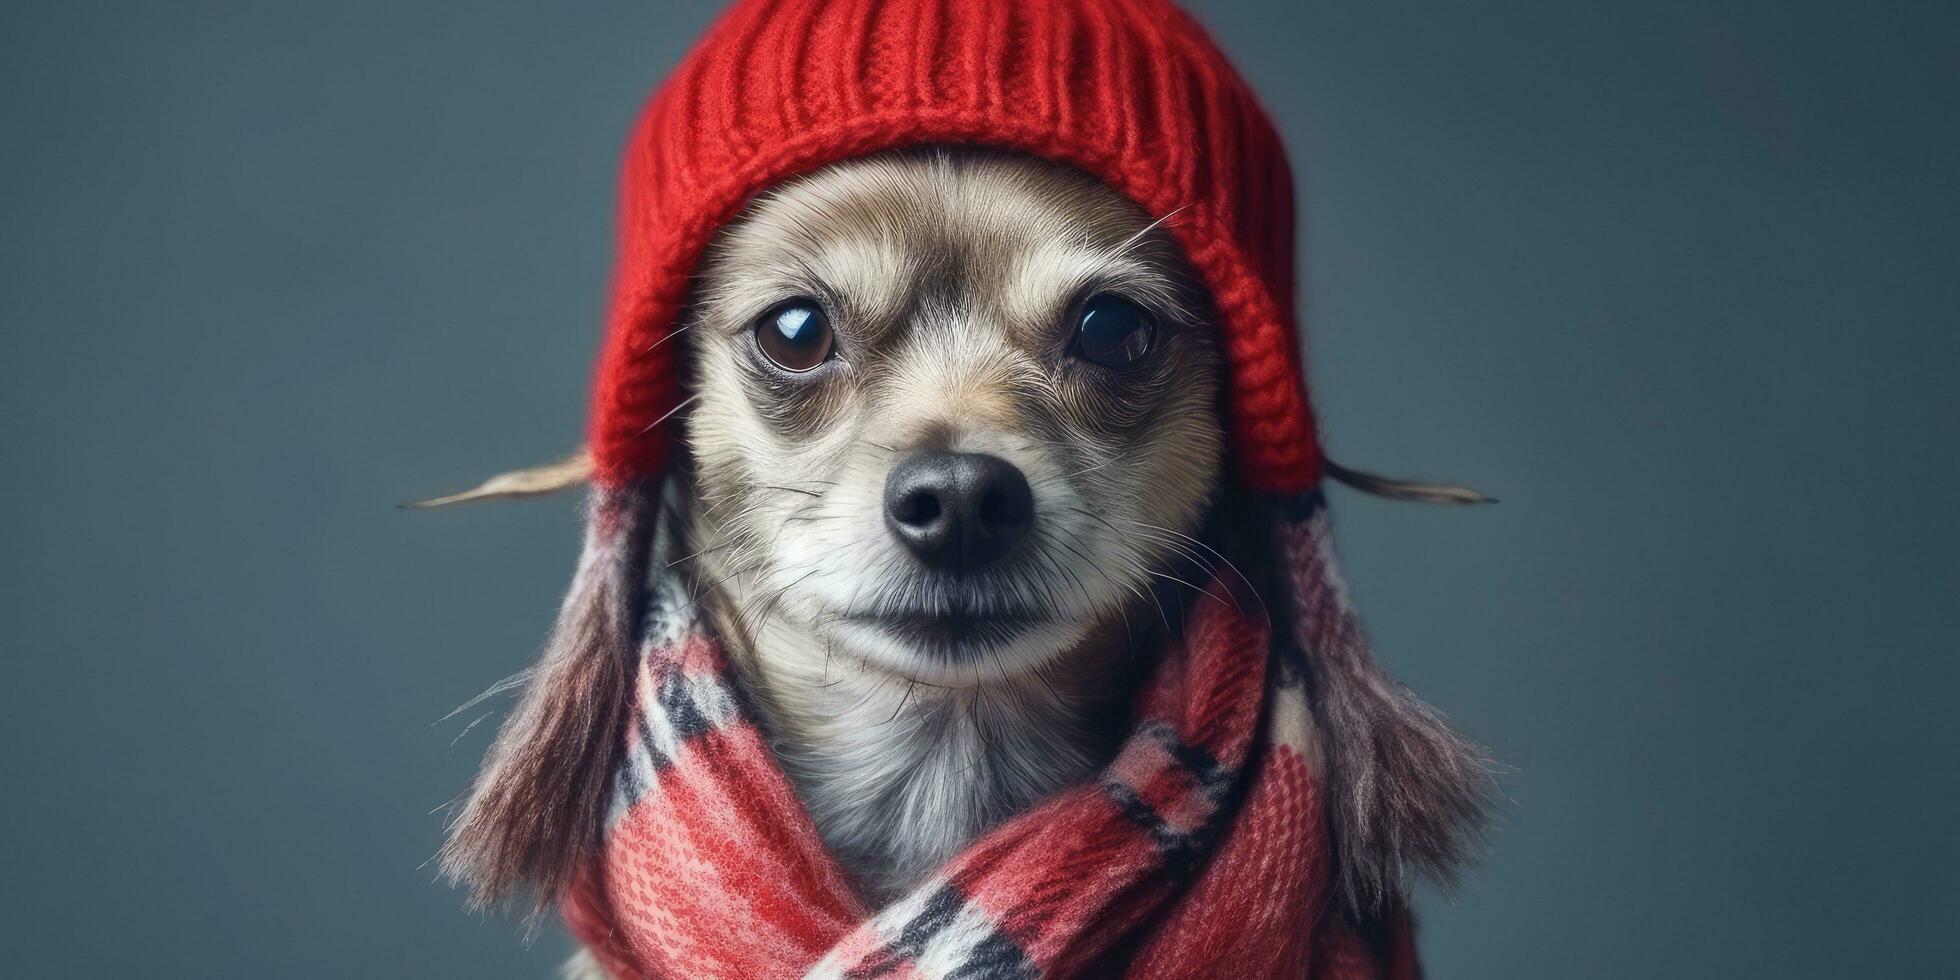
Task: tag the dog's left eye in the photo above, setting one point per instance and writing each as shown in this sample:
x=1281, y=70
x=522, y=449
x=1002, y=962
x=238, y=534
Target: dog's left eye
x=1113, y=332
x=795, y=335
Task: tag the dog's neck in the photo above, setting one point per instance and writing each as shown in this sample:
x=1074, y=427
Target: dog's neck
x=899, y=774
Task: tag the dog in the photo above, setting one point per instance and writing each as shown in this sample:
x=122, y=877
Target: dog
x=959, y=593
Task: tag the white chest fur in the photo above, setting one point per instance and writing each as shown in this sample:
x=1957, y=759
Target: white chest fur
x=898, y=775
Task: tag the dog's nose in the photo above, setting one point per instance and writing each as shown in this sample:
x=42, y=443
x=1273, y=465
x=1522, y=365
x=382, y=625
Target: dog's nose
x=958, y=510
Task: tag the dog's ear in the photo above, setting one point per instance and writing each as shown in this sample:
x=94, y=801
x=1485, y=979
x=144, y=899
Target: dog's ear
x=1407, y=793
x=532, y=822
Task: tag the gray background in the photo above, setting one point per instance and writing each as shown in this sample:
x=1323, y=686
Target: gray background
x=1675, y=279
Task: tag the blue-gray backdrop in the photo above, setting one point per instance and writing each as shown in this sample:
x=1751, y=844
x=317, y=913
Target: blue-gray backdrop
x=1675, y=279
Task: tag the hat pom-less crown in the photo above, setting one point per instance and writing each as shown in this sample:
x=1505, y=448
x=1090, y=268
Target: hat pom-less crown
x=1131, y=91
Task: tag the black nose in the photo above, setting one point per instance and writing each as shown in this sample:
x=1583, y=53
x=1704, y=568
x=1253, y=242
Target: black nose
x=958, y=510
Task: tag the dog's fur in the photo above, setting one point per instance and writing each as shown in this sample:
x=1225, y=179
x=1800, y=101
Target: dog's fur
x=951, y=280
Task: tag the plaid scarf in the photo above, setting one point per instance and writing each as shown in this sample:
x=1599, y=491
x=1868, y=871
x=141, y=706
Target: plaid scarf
x=1202, y=850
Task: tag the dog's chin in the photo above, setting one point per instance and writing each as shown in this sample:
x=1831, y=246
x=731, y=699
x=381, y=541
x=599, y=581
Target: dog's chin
x=957, y=649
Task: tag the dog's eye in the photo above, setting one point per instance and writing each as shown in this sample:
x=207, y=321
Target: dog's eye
x=1113, y=332
x=795, y=335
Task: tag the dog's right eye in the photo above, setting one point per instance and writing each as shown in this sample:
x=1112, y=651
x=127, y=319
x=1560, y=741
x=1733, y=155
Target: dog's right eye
x=796, y=335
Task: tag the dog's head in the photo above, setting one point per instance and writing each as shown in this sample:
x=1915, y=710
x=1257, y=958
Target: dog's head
x=954, y=411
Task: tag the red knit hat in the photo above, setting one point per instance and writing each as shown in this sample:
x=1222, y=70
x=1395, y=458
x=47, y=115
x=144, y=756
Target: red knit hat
x=1131, y=91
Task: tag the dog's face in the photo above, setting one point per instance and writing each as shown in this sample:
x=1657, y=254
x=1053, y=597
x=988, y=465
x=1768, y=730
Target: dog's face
x=954, y=411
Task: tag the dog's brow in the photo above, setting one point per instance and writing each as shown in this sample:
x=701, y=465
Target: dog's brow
x=871, y=274
x=1052, y=274
x=1126, y=244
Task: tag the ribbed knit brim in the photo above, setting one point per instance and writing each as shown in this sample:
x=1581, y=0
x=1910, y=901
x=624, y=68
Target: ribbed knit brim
x=1131, y=91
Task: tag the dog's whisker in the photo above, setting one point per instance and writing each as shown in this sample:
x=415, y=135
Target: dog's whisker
x=655, y=424
x=648, y=349
x=770, y=486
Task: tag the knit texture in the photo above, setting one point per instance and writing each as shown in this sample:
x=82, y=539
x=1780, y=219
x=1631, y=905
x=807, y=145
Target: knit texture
x=1202, y=850
x=1131, y=91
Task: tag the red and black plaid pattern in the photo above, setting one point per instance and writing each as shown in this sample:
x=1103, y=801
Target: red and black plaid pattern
x=1200, y=851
